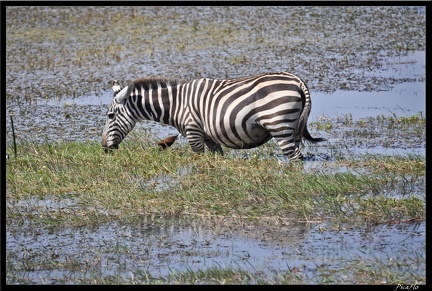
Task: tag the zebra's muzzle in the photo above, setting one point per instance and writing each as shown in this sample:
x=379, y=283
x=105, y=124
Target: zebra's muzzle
x=105, y=146
x=111, y=148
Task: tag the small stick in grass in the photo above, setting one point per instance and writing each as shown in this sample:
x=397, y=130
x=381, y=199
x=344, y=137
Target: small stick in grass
x=13, y=136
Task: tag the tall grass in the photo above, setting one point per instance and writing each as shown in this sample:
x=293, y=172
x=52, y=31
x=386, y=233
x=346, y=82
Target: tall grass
x=125, y=183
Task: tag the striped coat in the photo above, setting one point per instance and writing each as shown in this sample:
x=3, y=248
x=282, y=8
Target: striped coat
x=236, y=113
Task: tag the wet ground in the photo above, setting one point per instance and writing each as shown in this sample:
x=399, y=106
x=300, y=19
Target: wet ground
x=314, y=251
x=358, y=61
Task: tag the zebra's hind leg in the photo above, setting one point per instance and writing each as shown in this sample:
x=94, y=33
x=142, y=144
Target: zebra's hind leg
x=289, y=148
x=298, y=143
x=213, y=147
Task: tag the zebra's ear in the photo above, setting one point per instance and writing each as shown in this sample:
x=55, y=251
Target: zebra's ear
x=123, y=94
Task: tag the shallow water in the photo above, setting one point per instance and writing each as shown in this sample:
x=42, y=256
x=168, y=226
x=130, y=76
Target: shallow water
x=403, y=99
x=309, y=249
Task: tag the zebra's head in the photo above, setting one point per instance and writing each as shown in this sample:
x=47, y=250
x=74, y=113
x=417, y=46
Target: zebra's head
x=119, y=121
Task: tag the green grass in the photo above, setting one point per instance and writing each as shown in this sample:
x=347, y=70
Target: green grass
x=126, y=184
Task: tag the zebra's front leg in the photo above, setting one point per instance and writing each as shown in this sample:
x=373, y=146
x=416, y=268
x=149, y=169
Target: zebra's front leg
x=195, y=139
x=213, y=146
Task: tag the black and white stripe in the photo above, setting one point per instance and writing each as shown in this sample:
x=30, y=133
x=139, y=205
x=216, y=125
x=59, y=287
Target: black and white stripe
x=236, y=113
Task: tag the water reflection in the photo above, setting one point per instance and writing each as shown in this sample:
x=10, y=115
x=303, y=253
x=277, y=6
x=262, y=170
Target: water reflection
x=254, y=247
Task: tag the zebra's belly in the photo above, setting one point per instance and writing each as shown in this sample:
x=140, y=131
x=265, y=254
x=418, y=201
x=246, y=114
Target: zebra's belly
x=253, y=144
x=253, y=137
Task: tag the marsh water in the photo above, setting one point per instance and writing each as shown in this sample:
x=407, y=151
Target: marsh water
x=369, y=79
x=120, y=250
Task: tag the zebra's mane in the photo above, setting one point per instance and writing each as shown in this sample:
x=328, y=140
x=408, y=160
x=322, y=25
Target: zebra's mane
x=146, y=84
x=154, y=83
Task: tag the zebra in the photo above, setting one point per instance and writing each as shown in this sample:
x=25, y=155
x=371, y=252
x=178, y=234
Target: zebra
x=240, y=113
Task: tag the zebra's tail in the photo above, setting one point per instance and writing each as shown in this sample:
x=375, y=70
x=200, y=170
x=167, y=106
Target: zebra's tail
x=302, y=125
x=307, y=136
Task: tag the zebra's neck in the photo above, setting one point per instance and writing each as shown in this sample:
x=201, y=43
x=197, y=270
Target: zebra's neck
x=153, y=99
